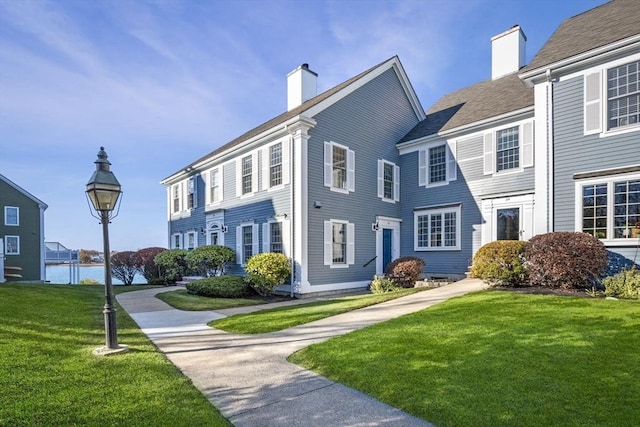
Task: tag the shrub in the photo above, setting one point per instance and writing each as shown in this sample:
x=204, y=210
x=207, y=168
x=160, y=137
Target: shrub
x=210, y=260
x=625, y=284
x=501, y=263
x=145, y=262
x=567, y=260
x=123, y=266
x=404, y=271
x=219, y=287
x=382, y=284
x=89, y=282
x=267, y=270
x=172, y=264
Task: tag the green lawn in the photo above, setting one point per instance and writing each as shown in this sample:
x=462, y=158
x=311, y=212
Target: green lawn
x=182, y=300
x=277, y=319
x=498, y=359
x=49, y=376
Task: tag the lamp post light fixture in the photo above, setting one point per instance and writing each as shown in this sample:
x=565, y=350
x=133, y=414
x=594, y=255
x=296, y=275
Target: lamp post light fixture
x=103, y=190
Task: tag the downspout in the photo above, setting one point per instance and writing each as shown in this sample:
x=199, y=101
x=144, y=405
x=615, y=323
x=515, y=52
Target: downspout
x=43, y=268
x=550, y=162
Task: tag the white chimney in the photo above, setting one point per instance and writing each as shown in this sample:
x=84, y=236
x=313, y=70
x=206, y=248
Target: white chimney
x=507, y=52
x=302, y=85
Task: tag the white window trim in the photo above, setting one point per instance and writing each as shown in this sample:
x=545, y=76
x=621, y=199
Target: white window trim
x=254, y=174
x=173, y=189
x=450, y=162
x=173, y=241
x=328, y=243
x=186, y=240
x=266, y=165
x=350, y=166
x=6, y=210
x=6, y=245
x=255, y=242
x=190, y=180
x=525, y=147
x=266, y=235
x=609, y=180
x=432, y=211
x=207, y=176
x=395, y=185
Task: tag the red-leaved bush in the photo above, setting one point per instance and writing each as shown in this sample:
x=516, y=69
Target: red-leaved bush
x=124, y=266
x=144, y=260
x=404, y=271
x=567, y=260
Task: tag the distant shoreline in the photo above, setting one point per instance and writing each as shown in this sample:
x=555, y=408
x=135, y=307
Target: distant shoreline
x=93, y=264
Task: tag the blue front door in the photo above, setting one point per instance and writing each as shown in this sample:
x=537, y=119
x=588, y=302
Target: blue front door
x=387, y=235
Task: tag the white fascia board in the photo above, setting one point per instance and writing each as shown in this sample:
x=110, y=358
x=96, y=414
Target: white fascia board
x=585, y=59
x=391, y=63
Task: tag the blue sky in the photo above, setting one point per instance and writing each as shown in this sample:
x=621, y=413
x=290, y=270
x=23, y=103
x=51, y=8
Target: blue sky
x=162, y=83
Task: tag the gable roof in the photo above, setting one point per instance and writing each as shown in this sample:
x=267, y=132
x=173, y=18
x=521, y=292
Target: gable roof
x=600, y=26
x=40, y=203
x=282, y=118
x=490, y=98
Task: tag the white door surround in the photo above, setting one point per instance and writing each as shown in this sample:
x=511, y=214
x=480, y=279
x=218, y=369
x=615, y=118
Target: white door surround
x=393, y=224
x=521, y=204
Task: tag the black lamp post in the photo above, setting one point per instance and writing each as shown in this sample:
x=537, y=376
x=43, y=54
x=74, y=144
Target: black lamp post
x=103, y=189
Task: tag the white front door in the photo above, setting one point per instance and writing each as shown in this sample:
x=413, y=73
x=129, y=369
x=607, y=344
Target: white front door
x=507, y=218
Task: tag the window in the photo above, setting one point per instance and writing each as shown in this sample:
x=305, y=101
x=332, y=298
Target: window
x=437, y=164
x=215, y=186
x=388, y=181
x=339, y=167
x=339, y=243
x=275, y=237
x=246, y=242
x=12, y=245
x=191, y=240
x=437, y=229
x=176, y=241
x=623, y=95
x=275, y=165
x=11, y=216
x=246, y=175
x=175, y=191
x=507, y=149
x=610, y=209
x=191, y=193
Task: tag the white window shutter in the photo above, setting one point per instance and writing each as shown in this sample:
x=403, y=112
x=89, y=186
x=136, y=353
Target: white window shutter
x=351, y=244
x=266, y=237
x=396, y=183
x=286, y=237
x=255, y=239
x=328, y=164
x=254, y=171
x=422, y=168
x=527, y=145
x=380, y=178
x=351, y=170
x=489, y=167
x=206, y=178
x=328, y=243
x=266, y=169
x=239, y=251
x=221, y=183
x=285, y=162
x=452, y=166
x=239, y=177
x=592, y=103
x=195, y=191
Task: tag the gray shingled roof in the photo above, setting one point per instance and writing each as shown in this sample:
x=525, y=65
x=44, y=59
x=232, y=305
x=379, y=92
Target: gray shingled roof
x=594, y=28
x=283, y=117
x=474, y=103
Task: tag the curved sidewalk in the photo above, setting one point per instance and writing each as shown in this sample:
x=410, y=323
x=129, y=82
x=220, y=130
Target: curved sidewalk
x=248, y=378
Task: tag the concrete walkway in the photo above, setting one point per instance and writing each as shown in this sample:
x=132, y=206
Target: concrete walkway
x=248, y=378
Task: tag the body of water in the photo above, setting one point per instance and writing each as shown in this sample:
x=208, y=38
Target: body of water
x=61, y=274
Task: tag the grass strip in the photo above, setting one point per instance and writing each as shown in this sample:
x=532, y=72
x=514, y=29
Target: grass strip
x=277, y=319
x=183, y=300
x=49, y=376
x=497, y=359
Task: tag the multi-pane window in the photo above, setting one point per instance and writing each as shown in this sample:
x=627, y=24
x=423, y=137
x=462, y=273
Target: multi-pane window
x=275, y=164
x=388, y=181
x=176, y=198
x=339, y=168
x=11, y=215
x=507, y=149
x=215, y=190
x=191, y=240
x=12, y=245
x=623, y=95
x=177, y=241
x=339, y=243
x=275, y=237
x=247, y=176
x=437, y=229
x=437, y=164
x=191, y=193
x=611, y=210
x=339, y=162
x=247, y=242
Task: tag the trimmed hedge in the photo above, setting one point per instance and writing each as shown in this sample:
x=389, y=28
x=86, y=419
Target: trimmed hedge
x=405, y=271
x=567, y=260
x=267, y=270
x=219, y=287
x=501, y=263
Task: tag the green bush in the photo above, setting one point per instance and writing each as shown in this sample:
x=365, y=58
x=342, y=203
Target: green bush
x=405, y=271
x=625, y=284
x=89, y=282
x=172, y=264
x=501, y=263
x=219, y=287
x=267, y=270
x=210, y=260
x=382, y=284
x=566, y=260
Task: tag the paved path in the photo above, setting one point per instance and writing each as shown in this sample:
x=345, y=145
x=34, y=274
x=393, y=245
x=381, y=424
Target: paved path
x=248, y=378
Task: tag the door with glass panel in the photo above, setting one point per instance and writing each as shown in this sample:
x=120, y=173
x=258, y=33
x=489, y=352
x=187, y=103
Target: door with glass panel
x=508, y=224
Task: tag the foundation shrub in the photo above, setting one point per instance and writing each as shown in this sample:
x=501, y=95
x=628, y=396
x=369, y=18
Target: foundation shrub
x=219, y=287
x=501, y=263
x=267, y=270
x=382, y=284
x=405, y=271
x=172, y=264
x=566, y=260
x=210, y=260
x=625, y=284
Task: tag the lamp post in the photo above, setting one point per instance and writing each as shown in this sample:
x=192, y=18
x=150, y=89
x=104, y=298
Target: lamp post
x=103, y=190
